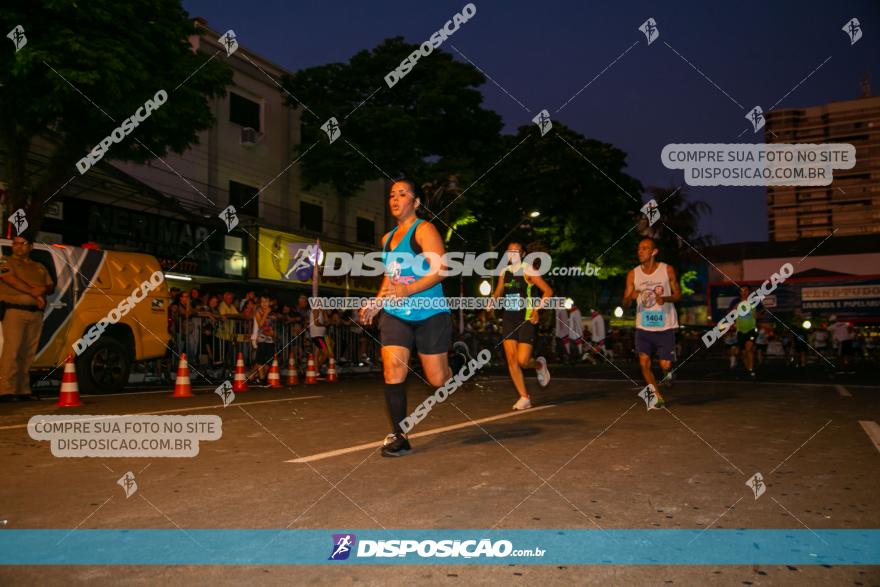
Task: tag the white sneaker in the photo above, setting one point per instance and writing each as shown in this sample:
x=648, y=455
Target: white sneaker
x=522, y=403
x=542, y=372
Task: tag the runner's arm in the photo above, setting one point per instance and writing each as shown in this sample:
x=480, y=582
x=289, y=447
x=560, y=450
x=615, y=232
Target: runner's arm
x=673, y=284
x=546, y=290
x=496, y=294
x=630, y=294
x=367, y=313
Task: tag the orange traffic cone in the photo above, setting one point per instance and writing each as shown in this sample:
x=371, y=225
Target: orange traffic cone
x=239, y=381
x=182, y=387
x=274, y=374
x=331, y=371
x=311, y=375
x=292, y=377
x=68, y=397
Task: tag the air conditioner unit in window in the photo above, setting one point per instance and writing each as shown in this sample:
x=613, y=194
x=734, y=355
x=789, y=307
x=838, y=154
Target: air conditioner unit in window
x=250, y=137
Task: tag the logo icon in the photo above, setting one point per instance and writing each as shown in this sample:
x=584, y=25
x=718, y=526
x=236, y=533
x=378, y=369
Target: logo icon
x=19, y=221
x=756, y=483
x=651, y=211
x=649, y=28
x=756, y=117
x=128, y=484
x=650, y=396
x=543, y=121
x=854, y=30
x=18, y=39
x=302, y=261
x=229, y=217
x=225, y=392
x=342, y=546
x=229, y=42
x=331, y=127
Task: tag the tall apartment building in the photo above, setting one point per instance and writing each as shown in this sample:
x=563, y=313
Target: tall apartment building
x=851, y=204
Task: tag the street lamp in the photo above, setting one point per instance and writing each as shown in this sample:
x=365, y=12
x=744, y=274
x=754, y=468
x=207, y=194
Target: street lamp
x=618, y=312
x=807, y=324
x=534, y=213
x=485, y=288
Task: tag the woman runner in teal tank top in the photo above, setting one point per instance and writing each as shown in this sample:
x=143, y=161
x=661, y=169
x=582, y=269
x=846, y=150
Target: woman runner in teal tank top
x=416, y=315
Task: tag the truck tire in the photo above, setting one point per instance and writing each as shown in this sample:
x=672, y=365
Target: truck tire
x=103, y=367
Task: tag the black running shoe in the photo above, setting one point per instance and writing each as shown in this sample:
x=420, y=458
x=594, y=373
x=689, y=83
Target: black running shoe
x=396, y=445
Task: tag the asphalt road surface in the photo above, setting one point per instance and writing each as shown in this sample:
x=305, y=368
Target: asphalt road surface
x=588, y=456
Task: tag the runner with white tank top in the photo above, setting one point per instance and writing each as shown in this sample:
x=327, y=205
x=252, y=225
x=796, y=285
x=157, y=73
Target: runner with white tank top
x=649, y=315
x=654, y=288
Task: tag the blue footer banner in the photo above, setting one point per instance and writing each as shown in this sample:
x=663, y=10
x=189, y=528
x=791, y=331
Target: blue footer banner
x=422, y=547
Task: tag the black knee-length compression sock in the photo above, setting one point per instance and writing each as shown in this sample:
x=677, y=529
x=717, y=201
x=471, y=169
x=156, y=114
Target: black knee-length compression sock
x=395, y=398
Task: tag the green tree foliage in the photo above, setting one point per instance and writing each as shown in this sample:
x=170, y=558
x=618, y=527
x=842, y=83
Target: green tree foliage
x=579, y=186
x=115, y=54
x=678, y=234
x=427, y=126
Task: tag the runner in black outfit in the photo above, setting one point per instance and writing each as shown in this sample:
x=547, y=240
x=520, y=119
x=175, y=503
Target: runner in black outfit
x=518, y=326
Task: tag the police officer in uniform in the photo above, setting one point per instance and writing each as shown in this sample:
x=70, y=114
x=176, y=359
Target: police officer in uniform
x=24, y=285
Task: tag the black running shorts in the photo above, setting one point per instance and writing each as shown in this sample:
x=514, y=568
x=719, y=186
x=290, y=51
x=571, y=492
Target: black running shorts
x=743, y=337
x=514, y=326
x=431, y=336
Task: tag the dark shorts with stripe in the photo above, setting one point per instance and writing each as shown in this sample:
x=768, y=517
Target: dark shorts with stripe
x=514, y=326
x=661, y=342
x=743, y=337
x=431, y=336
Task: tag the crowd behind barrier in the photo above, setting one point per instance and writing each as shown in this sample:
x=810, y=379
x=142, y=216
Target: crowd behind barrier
x=212, y=328
x=212, y=335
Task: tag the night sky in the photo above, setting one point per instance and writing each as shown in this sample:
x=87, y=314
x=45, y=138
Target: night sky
x=543, y=53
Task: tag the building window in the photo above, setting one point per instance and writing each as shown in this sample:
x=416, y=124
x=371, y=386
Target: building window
x=244, y=112
x=244, y=198
x=366, y=231
x=311, y=217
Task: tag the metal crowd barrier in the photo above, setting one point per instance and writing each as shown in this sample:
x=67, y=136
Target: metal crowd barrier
x=212, y=343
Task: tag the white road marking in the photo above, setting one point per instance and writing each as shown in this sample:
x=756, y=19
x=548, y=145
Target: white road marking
x=168, y=390
x=842, y=391
x=150, y=413
x=872, y=429
x=377, y=444
x=53, y=392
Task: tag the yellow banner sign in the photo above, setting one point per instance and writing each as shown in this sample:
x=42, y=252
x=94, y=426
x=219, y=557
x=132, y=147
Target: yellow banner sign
x=277, y=251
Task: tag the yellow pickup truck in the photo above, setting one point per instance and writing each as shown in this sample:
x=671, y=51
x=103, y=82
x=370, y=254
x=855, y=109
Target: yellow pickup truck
x=109, y=309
